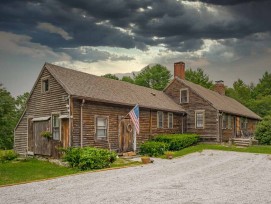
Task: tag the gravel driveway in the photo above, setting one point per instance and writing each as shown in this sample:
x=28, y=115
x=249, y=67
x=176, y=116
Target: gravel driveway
x=207, y=177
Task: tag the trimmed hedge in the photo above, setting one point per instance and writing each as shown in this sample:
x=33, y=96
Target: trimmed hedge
x=89, y=157
x=152, y=148
x=7, y=155
x=178, y=141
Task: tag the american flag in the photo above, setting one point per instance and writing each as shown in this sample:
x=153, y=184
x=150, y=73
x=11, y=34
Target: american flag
x=134, y=115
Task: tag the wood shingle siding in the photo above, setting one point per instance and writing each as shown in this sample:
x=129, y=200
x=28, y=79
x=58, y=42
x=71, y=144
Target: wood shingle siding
x=40, y=104
x=148, y=126
x=210, y=130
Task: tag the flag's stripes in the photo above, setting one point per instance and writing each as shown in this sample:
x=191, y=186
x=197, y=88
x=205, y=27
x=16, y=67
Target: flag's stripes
x=134, y=115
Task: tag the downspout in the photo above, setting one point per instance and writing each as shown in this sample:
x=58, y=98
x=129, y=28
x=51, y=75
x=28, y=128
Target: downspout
x=219, y=126
x=70, y=134
x=81, y=123
x=182, y=122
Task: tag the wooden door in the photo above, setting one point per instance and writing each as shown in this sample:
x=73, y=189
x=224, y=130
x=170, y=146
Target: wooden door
x=65, y=132
x=126, y=135
x=42, y=145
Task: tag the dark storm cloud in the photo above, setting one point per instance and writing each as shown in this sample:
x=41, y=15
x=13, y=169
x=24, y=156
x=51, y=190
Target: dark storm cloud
x=134, y=24
x=228, y=2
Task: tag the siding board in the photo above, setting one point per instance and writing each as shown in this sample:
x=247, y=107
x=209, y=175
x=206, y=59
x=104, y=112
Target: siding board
x=39, y=105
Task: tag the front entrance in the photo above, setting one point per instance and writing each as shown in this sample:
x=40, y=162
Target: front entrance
x=125, y=135
x=42, y=145
x=65, y=132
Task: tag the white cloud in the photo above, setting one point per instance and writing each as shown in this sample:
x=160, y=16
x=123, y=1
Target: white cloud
x=54, y=29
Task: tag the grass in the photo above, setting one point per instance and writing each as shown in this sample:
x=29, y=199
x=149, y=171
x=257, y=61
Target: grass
x=30, y=170
x=200, y=147
x=14, y=172
x=120, y=162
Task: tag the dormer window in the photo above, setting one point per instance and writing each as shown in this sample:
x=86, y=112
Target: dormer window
x=45, y=85
x=184, y=96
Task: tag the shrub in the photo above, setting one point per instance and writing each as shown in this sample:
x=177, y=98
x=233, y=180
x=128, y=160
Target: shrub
x=263, y=131
x=89, y=157
x=152, y=148
x=7, y=155
x=46, y=134
x=178, y=141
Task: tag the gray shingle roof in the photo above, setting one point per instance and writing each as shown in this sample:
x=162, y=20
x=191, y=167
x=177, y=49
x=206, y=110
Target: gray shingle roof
x=220, y=102
x=102, y=89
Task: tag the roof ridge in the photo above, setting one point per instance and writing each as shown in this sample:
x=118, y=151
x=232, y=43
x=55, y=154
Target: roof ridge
x=103, y=78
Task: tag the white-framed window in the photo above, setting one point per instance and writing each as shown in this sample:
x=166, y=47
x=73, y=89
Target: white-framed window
x=160, y=119
x=55, y=126
x=229, y=122
x=244, y=123
x=170, y=120
x=199, y=119
x=101, y=127
x=224, y=121
x=184, y=95
x=45, y=85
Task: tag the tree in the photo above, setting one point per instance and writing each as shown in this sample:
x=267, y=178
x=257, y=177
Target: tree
x=261, y=106
x=199, y=77
x=156, y=77
x=263, y=88
x=111, y=76
x=20, y=104
x=128, y=79
x=8, y=118
x=240, y=92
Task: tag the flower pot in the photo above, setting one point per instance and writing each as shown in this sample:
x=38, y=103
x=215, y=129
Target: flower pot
x=145, y=160
x=169, y=155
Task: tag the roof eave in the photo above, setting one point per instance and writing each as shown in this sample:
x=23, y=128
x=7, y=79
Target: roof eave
x=127, y=104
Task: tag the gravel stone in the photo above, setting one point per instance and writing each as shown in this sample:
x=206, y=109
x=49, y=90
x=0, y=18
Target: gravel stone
x=206, y=177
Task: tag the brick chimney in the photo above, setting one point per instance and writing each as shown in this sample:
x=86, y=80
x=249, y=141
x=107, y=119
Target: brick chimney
x=179, y=70
x=219, y=87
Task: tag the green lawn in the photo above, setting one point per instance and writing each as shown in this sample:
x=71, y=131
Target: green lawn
x=32, y=169
x=200, y=147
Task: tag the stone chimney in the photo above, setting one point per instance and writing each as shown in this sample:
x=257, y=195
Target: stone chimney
x=219, y=87
x=179, y=70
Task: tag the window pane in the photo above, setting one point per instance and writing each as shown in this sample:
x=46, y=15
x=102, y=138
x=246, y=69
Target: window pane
x=101, y=121
x=199, y=120
x=55, y=121
x=45, y=85
x=101, y=133
x=101, y=127
x=183, y=96
x=229, y=122
x=56, y=133
x=160, y=119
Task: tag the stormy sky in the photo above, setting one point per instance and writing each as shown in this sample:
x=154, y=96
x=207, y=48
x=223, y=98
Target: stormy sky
x=229, y=39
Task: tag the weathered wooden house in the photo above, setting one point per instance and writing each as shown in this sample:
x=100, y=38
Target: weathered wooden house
x=81, y=109
x=211, y=114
